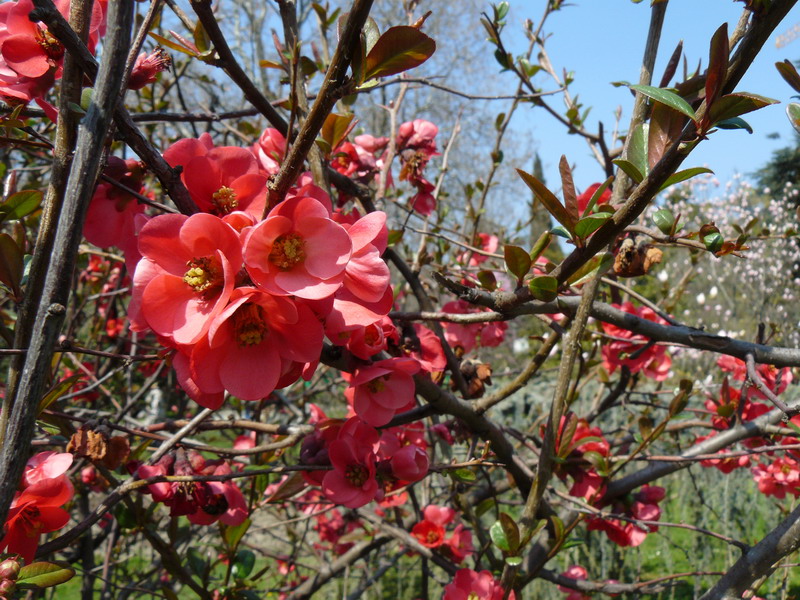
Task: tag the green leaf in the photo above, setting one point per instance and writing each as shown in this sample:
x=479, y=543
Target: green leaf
x=541, y=245
x=589, y=224
x=664, y=220
x=20, y=204
x=39, y=575
x=172, y=45
x=596, y=196
x=561, y=232
x=735, y=123
x=572, y=543
x=243, y=564
x=548, y=199
x=463, y=475
x=793, y=112
x=637, y=148
x=398, y=49
x=558, y=526
x=733, y=105
x=667, y=97
x=232, y=534
x=395, y=235
x=680, y=400
x=514, y=561
x=629, y=169
x=518, y=262
x=197, y=563
x=58, y=390
x=371, y=34
x=201, y=39
x=12, y=264
x=683, y=176
x=544, y=288
x=335, y=128
x=599, y=261
x=500, y=11
x=511, y=532
x=485, y=506
x=498, y=535
x=713, y=241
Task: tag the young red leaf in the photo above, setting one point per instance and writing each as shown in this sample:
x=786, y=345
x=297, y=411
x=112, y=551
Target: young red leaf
x=398, y=49
x=789, y=74
x=733, y=105
x=568, y=188
x=666, y=125
x=717, y=64
x=550, y=202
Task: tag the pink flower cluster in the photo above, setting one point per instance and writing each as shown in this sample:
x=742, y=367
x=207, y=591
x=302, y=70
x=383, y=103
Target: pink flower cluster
x=366, y=465
x=202, y=502
x=430, y=532
x=631, y=350
x=245, y=303
x=30, y=56
x=644, y=507
x=416, y=144
x=468, y=585
x=468, y=336
x=37, y=506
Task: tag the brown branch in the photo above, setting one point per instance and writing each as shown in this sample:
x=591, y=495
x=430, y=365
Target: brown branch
x=333, y=86
x=85, y=168
x=227, y=61
x=167, y=176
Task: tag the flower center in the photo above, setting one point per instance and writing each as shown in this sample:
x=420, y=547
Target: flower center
x=49, y=45
x=224, y=201
x=203, y=274
x=377, y=385
x=249, y=324
x=356, y=475
x=287, y=251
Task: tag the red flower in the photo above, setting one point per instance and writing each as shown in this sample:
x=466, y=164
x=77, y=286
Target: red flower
x=186, y=276
x=298, y=250
x=382, y=389
x=583, y=199
x=652, y=360
x=469, y=585
x=35, y=511
x=220, y=180
x=147, y=66
x=256, y=333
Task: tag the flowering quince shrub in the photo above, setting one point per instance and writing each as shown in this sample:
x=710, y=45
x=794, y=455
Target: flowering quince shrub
x=266, y=336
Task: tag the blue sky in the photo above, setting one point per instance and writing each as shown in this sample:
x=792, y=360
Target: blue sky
x=602, y=41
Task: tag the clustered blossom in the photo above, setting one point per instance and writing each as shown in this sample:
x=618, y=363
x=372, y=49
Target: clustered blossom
x=202, y=502
x=585, y=452
x=774, y=475
x=643, y=507
x=37, y=505
x=469, y=335
x=366, y=464
x=234, y=295
x=30, y=56
x=430, y=532
x=468, y=585
x=416, y=145
x=632, y=350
